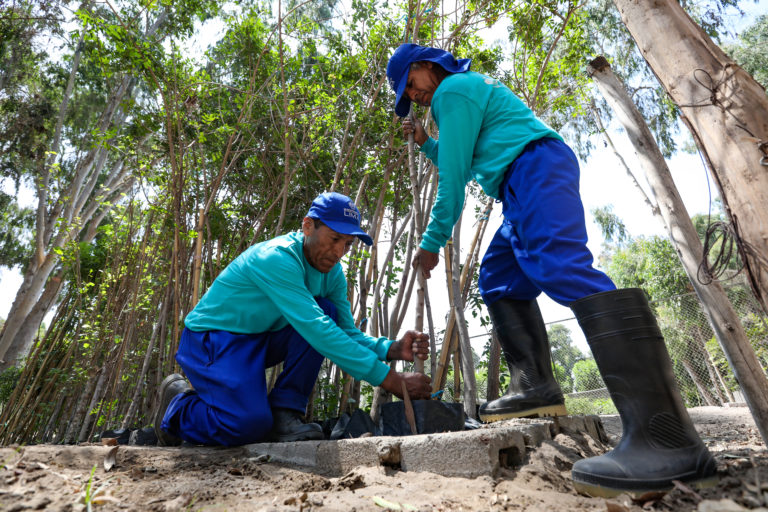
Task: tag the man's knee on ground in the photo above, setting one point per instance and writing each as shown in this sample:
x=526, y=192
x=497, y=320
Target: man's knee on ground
x=250, y=426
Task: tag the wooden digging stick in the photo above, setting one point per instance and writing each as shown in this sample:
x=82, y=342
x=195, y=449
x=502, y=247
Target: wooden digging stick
x=408, y=406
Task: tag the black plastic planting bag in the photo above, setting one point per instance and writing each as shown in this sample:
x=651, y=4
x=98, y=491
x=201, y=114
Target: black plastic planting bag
x=350, y=427
x=432, y=416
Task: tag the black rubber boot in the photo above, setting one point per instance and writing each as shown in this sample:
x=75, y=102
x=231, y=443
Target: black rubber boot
x=287, y=427
x=533, y=390
x=171, y=386
x=659, y=443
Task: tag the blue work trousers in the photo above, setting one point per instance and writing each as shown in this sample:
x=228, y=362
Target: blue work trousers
x=229, y=405
x=542, y=242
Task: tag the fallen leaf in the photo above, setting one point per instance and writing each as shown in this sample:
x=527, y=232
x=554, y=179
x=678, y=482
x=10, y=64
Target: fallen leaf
x=104, y=499
x=611, y=506
x=110, y=459
x=687, y=490
x=720, y=506
x=179, y=503
x=389, y=505
x=648, y=496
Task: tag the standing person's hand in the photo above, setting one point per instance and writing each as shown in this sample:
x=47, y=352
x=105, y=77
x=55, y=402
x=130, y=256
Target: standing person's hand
x=412, y=344
x=426, y=260
x=414, y=126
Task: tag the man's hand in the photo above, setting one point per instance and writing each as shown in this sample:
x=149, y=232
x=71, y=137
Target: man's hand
x=417, y=384
x=412, y=344
x=426, y=260
x=414, y=126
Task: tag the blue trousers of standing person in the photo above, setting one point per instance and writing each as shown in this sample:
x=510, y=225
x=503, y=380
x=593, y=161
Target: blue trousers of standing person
x=542, y=242
x=229, y=405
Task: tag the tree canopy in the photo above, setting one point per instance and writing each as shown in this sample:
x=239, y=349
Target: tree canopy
x=153, y=167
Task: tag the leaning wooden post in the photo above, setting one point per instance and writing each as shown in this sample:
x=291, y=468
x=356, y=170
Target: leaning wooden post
x=198, y=259
x=457, y=306
x=720, y=313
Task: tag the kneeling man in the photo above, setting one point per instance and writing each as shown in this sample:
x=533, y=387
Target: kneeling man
x=283, y=300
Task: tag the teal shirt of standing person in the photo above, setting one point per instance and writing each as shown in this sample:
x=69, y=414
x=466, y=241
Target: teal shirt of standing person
x=483, y=128
x=270, y=286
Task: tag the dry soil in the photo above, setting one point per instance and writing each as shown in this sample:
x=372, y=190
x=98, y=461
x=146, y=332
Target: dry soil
x=52, y=477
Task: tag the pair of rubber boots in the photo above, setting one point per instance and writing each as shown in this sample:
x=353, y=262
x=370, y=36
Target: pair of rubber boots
x=659, y=443
x=286, y=423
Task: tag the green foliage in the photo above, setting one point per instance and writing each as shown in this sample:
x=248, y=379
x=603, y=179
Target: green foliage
x=25, y=103
x=750, y=50
x=565, y=355
x=588, y=406
x=563, y=377
x=611, y=225
x=612, y=40
x=548, y=44
x=16, y=226
x=586, y=376
x=650, y=263
x=8, y=381
x=756, y=329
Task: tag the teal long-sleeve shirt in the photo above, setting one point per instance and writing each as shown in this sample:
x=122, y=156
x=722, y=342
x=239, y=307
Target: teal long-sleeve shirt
x=483, y=127
x=272, y=285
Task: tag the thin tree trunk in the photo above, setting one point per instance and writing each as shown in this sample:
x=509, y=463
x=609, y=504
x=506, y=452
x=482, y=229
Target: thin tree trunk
x=494, y=365
x=723, y=319
x=198, y=259
x=142, y=378
x=703, y=354
x=700, y=385
x=468, y=364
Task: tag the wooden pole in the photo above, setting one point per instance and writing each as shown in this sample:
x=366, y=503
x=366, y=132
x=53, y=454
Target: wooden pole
x=198, y=259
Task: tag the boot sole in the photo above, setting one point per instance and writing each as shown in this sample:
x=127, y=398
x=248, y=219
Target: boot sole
x=163, y=438
x=536, y=412
x=601, y=491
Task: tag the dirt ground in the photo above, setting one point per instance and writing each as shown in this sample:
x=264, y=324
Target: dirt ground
x=53, y=477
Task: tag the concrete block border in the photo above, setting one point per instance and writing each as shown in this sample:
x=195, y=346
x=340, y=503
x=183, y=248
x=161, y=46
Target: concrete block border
x=468, y=453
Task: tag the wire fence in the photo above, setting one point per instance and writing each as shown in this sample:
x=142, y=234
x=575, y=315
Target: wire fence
x=699, y=364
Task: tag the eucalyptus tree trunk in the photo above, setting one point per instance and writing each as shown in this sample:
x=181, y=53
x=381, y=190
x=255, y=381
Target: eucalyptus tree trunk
x=457, y=307
x=90, y=194
x=715, y=304
x=727, y=112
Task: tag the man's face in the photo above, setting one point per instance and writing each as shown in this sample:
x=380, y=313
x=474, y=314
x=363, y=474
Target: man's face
x=323, y=247
x=422, y=84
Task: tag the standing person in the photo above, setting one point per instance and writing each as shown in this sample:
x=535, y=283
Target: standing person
x=283, y=300
x=490, y=135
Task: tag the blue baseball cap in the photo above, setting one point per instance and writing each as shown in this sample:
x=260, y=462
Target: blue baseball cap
x=400, y=64
x=339, y=213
